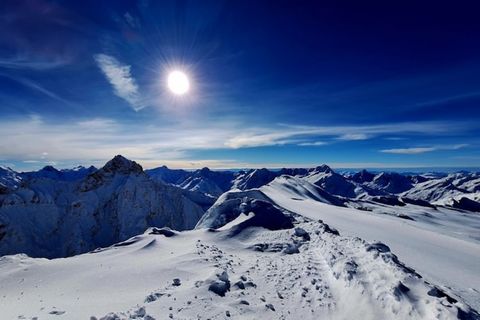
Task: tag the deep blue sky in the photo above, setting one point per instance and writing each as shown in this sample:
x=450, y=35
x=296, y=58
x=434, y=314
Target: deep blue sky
x=283, y=83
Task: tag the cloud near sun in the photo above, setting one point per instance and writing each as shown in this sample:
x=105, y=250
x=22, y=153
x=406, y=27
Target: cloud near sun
x=121, y=79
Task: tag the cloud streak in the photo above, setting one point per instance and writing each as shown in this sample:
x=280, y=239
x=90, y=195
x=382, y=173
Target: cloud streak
x=286, y=134
x=354, y=137
x=30, y=64
x=419, y=150
x=120, y=78
x=96, y=140
x=313, y=144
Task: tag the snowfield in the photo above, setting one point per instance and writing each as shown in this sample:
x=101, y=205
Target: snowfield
x=445, y=247
x=292, y=244
x=255, y=273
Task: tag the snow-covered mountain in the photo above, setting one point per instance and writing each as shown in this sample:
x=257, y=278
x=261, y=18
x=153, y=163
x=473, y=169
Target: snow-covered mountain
x=390, y=182
x=332, y=182
x=211, y=183
x=264, y=254
x=56, y=218
x=50, y=172
x=269, y=244
x=254, y=178
x=442, y=189
x=389, y=188
x=9, y=179
x=170, y=176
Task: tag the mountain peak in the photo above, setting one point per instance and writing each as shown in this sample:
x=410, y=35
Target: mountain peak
x=363, y=176
x=323, y=168
x=49, y=168
x=121, y=164
x=205, y=170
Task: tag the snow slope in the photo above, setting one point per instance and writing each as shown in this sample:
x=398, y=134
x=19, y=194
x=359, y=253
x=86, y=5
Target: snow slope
x=247, y=269
x=445, y=248
x=442, y=190
x=9, y=179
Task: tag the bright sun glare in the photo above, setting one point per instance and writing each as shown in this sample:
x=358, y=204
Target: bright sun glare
x=178, y=82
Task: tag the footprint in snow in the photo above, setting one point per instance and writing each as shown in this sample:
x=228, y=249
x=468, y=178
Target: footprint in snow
x=57, y=312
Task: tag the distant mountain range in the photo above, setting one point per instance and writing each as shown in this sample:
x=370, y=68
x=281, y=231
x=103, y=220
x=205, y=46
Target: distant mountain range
x=57, y=213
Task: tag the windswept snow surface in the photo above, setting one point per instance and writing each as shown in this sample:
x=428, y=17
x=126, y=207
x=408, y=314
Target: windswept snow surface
x=242, y=271
x=442, y=245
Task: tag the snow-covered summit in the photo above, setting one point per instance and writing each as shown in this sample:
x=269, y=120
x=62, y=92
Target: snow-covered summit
x=332, y=182
x=391, y=182
x=55, y=218
x=254, y=178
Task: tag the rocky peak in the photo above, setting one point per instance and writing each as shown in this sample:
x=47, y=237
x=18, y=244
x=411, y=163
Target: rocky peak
x=120, y=164
x=49, y=169
x=323, y=168
x=204, y=171
x=363, y=176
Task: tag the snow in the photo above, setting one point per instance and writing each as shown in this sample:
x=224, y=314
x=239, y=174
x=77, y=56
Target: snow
x=62, y=218
x=151, y=276
x=302, y=244
x=450, y=256
x=443, y=189
x=253, y=179
x=9, y=179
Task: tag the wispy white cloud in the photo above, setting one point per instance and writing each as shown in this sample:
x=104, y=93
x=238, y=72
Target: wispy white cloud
x=32, y=64
x=354, y=136
x=313, y=144
x=409, y=150
x=131, y=20
x=93, y=141
x=418, y=150
x=258, y=139
x=120, y=78
x=286, y=134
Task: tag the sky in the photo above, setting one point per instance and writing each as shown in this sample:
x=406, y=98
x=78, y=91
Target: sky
x=370, y=84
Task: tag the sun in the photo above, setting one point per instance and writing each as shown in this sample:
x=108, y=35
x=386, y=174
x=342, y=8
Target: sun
x=178, y=82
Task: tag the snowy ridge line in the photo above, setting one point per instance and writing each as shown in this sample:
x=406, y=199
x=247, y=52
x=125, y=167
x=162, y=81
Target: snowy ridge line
x=459, y=190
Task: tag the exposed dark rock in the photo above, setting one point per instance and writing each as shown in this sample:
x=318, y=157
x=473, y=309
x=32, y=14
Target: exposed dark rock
x=167, y=232
x=378, y=246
